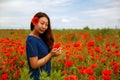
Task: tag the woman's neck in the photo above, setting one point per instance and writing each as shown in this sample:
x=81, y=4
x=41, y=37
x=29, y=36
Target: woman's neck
x=35, y=34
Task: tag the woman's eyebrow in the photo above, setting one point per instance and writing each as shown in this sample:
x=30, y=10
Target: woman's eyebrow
x=44, y=21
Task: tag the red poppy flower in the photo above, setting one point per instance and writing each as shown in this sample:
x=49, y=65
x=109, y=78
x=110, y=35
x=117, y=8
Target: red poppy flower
x=56, y=45
x=35, y=20
x=106, y=72
x=76, y=45
x=116, y=67
x=91, y=43
x=89, y=71
x=71, y=77
x=93, y=66
x=68, y=63
x=108, y=48
x=91, y=78
x=97, y=49
x=106, y=77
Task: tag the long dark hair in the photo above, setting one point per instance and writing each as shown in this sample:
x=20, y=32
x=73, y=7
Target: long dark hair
x=47, y=36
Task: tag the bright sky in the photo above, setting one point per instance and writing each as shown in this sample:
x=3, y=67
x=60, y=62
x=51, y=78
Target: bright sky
x=64, y=14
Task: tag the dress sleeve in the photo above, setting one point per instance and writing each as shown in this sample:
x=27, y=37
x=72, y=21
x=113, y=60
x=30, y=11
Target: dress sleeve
x=31, y=48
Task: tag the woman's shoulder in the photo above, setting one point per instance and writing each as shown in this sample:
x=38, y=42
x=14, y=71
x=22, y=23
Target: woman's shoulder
x=31, y=39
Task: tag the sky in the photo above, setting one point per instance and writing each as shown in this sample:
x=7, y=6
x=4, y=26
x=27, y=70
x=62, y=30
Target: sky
x=64, y=14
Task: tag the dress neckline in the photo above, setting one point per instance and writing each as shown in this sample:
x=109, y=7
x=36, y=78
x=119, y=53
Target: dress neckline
x=35, y=37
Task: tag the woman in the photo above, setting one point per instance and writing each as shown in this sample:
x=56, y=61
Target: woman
x=39, y=46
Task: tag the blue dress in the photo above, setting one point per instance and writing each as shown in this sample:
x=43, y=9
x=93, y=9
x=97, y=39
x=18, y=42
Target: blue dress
x=37, y=47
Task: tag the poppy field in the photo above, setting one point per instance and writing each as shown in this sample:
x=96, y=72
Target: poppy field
x=86, y=55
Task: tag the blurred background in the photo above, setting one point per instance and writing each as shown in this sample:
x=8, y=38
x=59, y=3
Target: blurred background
x=64, y=14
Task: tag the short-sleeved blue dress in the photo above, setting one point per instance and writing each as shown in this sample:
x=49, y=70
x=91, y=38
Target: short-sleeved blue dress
x=37, y=47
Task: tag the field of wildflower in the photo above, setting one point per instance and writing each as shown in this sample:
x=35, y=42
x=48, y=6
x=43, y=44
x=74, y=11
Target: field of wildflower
x=86, y=55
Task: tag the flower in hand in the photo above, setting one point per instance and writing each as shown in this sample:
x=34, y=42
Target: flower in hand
x=56, y=51
x=57, y=45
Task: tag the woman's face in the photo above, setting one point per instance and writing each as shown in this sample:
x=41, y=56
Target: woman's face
x=42, y=25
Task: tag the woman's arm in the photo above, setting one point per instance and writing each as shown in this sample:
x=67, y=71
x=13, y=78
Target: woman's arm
x=35, y=62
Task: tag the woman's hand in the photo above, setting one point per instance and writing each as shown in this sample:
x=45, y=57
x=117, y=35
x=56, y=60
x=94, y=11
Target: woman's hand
x=56, y=51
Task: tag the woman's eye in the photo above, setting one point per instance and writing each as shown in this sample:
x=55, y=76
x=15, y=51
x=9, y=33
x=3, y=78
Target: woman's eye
x=42, y=23
x=46, y=25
